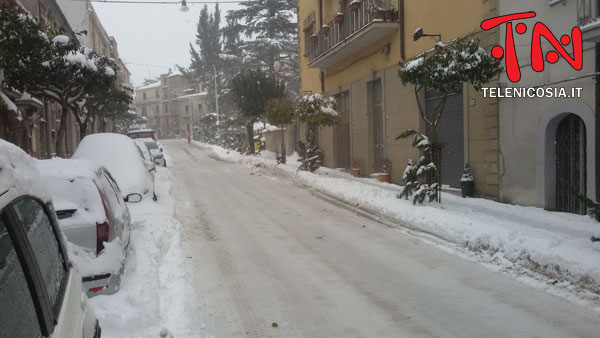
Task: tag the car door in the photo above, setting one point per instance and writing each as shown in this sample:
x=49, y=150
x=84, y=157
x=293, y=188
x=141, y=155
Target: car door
x=31, y=249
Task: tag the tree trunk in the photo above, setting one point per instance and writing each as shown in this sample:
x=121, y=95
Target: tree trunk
x=82, y=130
x=62, y=133
x=250, y=133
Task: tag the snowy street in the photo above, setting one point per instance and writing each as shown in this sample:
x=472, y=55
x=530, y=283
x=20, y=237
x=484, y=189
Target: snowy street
x=266, y=258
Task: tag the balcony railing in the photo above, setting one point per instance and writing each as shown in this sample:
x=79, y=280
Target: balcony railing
x=587, y=11
x=358, y=16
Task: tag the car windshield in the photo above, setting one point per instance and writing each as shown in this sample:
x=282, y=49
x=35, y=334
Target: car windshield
x=146, y=134
x=151, y=145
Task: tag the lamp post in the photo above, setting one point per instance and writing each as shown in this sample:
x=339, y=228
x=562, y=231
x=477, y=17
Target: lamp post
x=216, y=93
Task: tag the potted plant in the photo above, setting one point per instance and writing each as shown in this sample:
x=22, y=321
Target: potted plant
x=324, y=29
x=384, y=176
x=391, y=14
x=339, y=17
x=377, y=12
x=355, y=169
x=467, y=183
x=355, y=5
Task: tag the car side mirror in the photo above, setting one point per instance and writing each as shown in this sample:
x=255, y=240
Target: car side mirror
x=133, y=198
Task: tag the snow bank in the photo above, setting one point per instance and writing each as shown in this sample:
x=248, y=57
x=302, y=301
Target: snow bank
x=153, y=290
x=554, y=244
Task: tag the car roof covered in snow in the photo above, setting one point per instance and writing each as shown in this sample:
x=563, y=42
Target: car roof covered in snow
x=72, y=184
x=19, y=174
x=67, y=168
x=120, y=156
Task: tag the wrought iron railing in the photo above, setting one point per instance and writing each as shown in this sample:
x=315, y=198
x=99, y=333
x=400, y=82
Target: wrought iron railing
x=587, y=11
x=357, y=16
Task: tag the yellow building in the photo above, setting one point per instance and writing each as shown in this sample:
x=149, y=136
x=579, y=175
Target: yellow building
x=351, y=49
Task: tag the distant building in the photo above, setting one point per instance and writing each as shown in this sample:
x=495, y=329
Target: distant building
x=171, y=105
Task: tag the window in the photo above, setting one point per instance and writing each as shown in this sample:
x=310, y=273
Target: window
x=187, y=109
x=157, y=94
x=144, y=96
x=144, y=113
x=44, y=244
x=17, y=313
x=343, y=102
x=199, y=108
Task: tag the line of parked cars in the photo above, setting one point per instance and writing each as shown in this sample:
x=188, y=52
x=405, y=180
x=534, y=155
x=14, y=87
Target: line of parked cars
x=64, y=231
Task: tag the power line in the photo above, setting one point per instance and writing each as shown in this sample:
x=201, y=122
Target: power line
x=144, y=64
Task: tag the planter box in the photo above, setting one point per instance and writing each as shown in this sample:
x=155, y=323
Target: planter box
x=356, y=172
x=355, y=5
x=339, y=18
x=384, y=177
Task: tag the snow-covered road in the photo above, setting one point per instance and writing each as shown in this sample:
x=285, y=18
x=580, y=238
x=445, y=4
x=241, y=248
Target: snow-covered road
x=259, y=250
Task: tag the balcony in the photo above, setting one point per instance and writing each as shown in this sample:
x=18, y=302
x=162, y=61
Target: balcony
x=588, y=19
x=361, y=24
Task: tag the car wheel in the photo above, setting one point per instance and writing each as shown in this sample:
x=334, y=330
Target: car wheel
x=165, y=163
x=154, y=198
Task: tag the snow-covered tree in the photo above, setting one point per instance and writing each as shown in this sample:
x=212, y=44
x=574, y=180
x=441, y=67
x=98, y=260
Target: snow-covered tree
x=446, y=69
x=420, y=179
x=280, y=112
x=250, y=91
x=269, y=37
x=314, y=110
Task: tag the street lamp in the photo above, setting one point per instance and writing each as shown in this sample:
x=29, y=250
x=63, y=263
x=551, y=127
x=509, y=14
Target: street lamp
x=184, y=7
x=419, y=34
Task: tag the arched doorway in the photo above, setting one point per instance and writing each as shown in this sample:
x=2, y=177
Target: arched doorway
x=570, y=164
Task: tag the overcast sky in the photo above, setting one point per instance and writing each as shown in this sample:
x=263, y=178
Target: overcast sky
x=152, y=37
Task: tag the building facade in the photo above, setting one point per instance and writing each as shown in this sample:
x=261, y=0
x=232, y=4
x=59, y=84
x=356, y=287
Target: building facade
x=352, y=50
x=548, y=145
x=171, y=105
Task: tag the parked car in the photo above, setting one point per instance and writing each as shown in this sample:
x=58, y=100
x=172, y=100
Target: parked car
x=40, y=292
x=94, y=217
x=156, y=151
x=146, y=155
x=142, y=133
x=119, y=154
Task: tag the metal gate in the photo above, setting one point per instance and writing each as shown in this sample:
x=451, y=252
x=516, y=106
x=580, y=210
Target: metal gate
x=377, y=110
x=451, y=135
x=570, y=164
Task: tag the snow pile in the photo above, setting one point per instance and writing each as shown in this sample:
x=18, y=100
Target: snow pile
x=88, y=264
x=61, y=39
x=153, y=291
x=18, y=170
x=554, y=244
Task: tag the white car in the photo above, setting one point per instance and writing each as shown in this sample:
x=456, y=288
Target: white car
x=40, y=293
x=155, y=150
x=120, y=155
x=94, y=217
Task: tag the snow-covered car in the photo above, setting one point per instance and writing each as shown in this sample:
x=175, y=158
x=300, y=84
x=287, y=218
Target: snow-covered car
x=146, y=155
x=142, y=133
x=94, y=217
x=156, y=151
x=120, y=155
x=40, y=292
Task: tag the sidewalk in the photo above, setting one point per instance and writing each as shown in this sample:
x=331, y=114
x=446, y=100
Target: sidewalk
x=556, y=245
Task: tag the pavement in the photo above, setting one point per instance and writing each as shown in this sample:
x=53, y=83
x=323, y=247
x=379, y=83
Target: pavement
x=261, y=251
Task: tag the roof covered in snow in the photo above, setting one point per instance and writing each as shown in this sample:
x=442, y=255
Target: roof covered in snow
x=149, y=86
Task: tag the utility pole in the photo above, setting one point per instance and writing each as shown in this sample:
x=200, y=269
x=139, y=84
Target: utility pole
x=216, y=93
